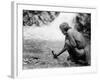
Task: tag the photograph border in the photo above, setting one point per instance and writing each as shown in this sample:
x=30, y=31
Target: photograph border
x=16, y=68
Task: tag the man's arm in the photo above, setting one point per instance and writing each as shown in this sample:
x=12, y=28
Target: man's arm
x=68, y=43
x=56, y=55
x=72, y=40
x=64, y=48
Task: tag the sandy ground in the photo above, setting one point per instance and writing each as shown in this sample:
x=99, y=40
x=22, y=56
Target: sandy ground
x=37, y=54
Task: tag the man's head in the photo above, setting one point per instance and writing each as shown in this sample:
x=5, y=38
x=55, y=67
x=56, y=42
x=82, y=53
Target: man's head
x=64, y=27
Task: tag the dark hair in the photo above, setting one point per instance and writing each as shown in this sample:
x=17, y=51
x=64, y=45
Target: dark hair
x=64, y=26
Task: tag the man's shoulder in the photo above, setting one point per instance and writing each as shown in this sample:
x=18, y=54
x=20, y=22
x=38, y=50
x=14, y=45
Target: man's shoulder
x=71, y=31
x=74, y=33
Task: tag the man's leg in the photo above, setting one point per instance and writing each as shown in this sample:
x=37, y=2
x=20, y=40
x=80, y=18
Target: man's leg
x=70, y=50
x=84, y=59
x=88, y=55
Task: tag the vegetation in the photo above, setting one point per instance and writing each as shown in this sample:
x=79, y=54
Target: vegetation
x=83, y=24
x=38, y=18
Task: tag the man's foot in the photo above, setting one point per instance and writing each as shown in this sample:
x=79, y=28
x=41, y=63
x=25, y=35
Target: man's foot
x=69, y=58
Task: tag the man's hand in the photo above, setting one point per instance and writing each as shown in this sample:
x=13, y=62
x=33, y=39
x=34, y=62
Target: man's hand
x=80, y=51
x=54, y=55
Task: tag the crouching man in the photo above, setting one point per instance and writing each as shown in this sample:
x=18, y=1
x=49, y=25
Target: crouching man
x=75, y=44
